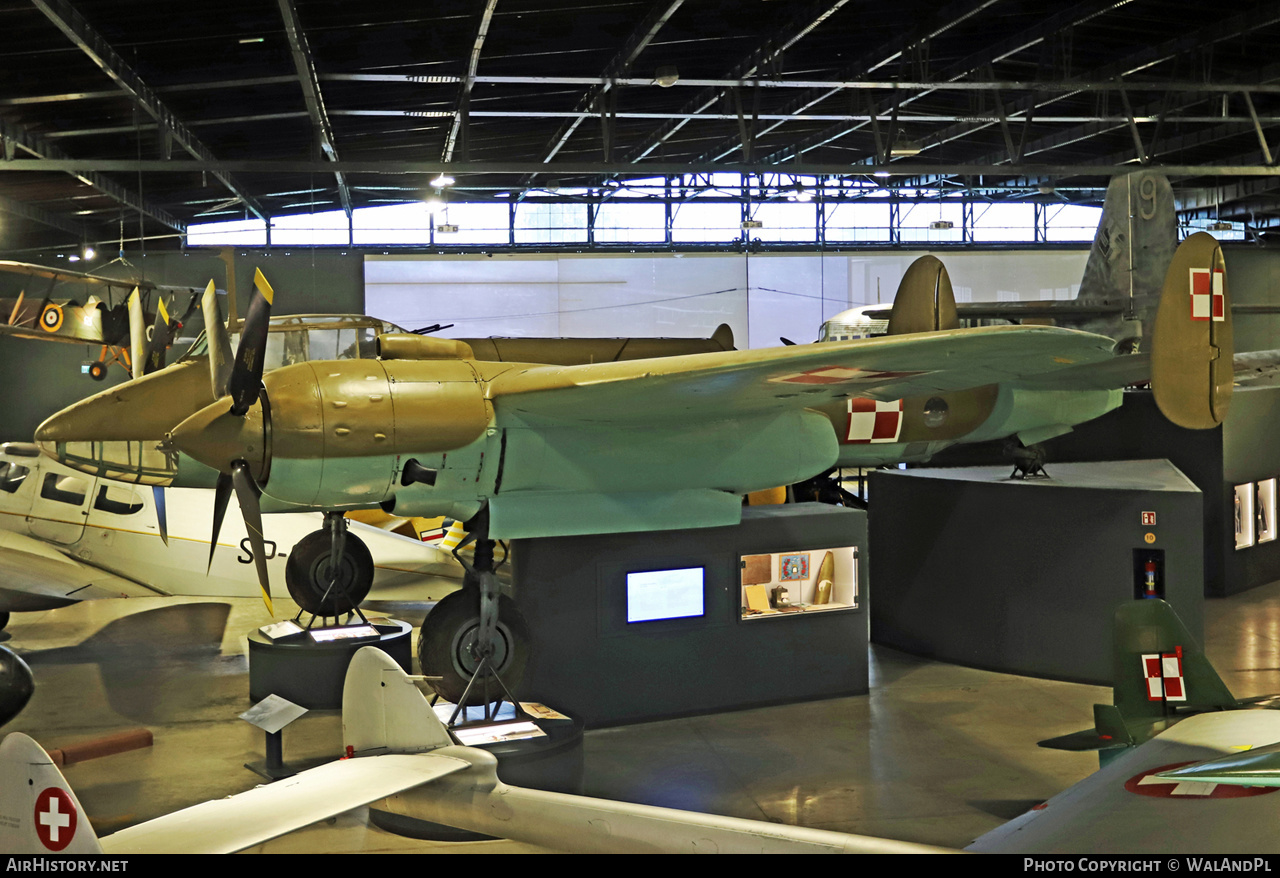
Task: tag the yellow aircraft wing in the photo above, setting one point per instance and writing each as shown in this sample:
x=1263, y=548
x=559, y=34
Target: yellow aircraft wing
x=708, y=386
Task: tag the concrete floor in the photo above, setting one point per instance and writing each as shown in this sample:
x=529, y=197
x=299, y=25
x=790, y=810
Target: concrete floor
x=935, y=753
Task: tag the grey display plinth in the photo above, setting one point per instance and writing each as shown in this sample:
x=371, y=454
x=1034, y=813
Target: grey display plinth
x=591, y=663
x=311, y=674
x=1024, y=576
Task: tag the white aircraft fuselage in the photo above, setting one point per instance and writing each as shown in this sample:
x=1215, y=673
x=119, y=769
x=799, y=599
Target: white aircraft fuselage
x=102, y=538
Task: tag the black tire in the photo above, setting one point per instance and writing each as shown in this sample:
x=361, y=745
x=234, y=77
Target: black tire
x=306, y=573
x=448, y=630
x=98, y=371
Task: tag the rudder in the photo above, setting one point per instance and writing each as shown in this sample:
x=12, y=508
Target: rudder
x=42, y=814
x=1192, y=373
x=383, y=711
x=1159, y=666
x=924, y=301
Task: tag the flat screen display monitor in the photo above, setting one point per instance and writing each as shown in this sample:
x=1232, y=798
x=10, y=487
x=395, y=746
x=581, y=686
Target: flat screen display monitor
x=665, y=594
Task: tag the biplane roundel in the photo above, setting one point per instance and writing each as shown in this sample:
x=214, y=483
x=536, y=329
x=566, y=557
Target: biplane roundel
x=51, y=318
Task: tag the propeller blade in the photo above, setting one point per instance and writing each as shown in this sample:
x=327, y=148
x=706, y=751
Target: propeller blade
x=161, y=338
x=247, y=493
x=215, y=332
x=221, y=497
x=137, y=334
x=162, y=515
x=246, y=374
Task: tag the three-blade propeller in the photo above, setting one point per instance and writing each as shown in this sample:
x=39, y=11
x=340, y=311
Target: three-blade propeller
x=241, y=379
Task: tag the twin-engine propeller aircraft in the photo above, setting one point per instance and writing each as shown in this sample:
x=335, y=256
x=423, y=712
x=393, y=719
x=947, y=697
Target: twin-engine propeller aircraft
x=127, y=318
x=66, y=536
x=529, y=449
x=396, y=748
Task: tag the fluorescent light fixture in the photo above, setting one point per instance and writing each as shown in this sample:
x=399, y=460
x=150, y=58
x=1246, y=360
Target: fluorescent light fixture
x=247, y=40
x=904, y=148
x=442, y=181
x=89, y=253
x=73, y=258
x=880, y=174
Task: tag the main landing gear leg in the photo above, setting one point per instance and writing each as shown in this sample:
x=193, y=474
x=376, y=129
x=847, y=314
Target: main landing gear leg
x=475, y=637
x=330, y=571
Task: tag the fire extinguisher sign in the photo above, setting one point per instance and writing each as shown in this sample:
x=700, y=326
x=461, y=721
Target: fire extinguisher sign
x=1148, y=519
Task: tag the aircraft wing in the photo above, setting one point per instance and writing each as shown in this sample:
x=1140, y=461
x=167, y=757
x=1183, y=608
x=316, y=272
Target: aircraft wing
x=1121, y=809
x=237, y=822
x=731, y=383
x=36, y=576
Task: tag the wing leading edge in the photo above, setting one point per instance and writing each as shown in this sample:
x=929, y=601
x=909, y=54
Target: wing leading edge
x=735, y=382
x=266, y=812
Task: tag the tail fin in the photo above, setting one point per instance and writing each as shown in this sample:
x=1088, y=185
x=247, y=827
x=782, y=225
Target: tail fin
x=1136, y=238
x=384, y=711
x=1158, y=665
x=1192, y=348
x=41, y=814
x=924, y=301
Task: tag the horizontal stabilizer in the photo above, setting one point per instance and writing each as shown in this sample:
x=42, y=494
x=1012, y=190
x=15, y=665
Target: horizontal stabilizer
x=1108, y=733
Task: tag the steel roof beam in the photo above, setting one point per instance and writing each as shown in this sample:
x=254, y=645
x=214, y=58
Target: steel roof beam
x=73, y=25
x=869, y=63
x=761, y=59
x=15, y=136
x=458, y=129
x=44, y=217
x=304, y=64
x=1031, y=36
x=1145, y=59
x=828, y=169
x=658, y=15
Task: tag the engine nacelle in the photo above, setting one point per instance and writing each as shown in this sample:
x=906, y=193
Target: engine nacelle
x=338, y=430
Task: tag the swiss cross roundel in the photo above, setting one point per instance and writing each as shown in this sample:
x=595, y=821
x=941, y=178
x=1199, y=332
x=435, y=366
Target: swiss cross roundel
x=1147, y=784
x=55, y=819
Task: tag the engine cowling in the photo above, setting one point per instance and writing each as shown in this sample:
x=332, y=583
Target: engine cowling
x=333, y=433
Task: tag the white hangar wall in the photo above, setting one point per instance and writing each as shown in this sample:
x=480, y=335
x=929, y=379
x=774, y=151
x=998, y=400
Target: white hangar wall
x=761, y=297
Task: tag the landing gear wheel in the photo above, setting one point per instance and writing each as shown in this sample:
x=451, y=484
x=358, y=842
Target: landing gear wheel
x=307, y=574
x=98, y=371
x=448, y=634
